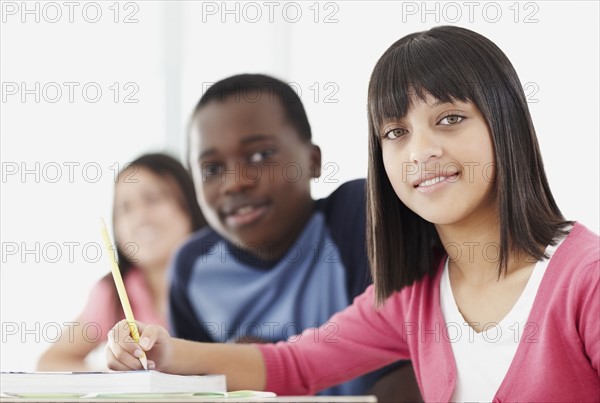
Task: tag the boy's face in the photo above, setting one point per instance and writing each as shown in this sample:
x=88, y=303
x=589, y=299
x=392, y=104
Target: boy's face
x=252, y=172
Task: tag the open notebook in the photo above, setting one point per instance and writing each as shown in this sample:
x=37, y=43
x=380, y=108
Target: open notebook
x=124, y=382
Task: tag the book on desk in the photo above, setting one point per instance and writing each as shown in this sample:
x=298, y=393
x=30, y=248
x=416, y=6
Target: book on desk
x=122, y=382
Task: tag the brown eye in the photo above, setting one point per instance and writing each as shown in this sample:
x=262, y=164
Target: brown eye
x=210, y=169
x=395, y=134
x=261, y=155
x=451, y=119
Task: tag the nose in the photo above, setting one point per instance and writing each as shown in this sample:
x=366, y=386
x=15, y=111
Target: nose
x=424, y=146
x=140, y=213
x=238, y=178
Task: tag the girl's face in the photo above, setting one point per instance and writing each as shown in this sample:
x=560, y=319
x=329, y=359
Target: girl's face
x=149, y=220
x=439, y=159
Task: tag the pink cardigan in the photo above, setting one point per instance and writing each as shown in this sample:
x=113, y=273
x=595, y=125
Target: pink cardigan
x=558, y=358
x=100, y=312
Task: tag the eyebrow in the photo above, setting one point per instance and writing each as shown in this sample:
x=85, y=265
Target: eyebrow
x=255, y=138
x=438, y=103
x=435, y=104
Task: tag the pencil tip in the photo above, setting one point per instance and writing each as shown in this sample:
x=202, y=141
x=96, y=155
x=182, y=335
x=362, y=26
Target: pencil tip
x=144, y=362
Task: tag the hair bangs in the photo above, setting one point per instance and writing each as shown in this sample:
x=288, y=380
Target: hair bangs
x=455, y=64
x=417, y=66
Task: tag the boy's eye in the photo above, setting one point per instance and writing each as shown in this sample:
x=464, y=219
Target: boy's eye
x=210, y=169
x=395, y=134
x=451, y=120
x=261, y=155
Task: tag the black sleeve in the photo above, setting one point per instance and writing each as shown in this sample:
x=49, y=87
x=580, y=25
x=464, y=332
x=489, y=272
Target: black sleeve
x=345, y=210
x=183, y=321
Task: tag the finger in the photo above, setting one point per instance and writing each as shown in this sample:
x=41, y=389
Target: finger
x=123, y=348
x=149, y=337
x=125, y=358
x=113, y=362
x=137, y=327
x=121, y=334
x=141, y=325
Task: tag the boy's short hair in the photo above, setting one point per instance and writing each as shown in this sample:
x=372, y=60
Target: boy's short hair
x=251, y=88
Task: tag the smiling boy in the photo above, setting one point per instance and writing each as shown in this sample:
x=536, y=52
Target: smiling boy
x=273, y=261
x=253, y=169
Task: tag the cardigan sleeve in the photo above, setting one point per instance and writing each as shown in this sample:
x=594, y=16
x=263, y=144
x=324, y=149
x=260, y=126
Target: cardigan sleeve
x=588, y=325
x=99, y=313
x=354, y=341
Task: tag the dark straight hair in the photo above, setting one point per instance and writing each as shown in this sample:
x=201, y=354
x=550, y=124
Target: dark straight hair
x=452, y=63
x=169, y=169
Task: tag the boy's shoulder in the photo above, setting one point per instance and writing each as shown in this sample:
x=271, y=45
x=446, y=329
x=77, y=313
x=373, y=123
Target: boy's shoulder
x=198, y=244
x=345, y=217
x=355, y=187
x=347, y=197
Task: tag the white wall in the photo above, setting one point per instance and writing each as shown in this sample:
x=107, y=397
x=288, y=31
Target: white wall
x=168, y=55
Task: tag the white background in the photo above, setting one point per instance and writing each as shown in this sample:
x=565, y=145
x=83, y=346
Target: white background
x=169, y=55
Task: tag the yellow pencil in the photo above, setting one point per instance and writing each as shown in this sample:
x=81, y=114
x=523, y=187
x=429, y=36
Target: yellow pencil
x=112, y=256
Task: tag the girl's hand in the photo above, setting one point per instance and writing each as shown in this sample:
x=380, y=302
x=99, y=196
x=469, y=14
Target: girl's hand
x=122, y=352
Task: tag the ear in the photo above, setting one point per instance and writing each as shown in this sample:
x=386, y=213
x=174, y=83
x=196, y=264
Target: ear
x=315, y=161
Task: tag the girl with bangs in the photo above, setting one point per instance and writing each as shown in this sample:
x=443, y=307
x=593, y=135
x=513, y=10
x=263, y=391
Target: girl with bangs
x=478, y=277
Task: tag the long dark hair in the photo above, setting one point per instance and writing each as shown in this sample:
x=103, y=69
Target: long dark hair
x=171, y=169
x=453, y=63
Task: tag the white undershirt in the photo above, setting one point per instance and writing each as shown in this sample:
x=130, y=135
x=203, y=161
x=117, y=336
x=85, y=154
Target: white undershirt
x=483, y=359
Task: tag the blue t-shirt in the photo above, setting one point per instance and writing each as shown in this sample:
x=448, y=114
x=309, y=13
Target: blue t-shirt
x=221, y=293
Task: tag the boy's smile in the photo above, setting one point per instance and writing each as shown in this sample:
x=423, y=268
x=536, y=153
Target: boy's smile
x=243, y=212
x=252, y=171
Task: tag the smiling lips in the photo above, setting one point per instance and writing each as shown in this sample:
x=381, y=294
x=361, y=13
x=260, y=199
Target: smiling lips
x=244, y=214
x=147, y=234
x=432, y=182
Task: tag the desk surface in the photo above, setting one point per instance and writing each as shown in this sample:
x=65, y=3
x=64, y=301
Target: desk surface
x=279, y=399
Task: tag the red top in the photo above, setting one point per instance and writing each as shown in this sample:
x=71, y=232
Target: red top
x=558, y=357
x=99, y=314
